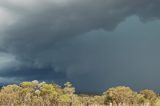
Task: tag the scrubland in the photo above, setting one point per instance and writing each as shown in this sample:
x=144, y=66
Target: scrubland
x=37, y=93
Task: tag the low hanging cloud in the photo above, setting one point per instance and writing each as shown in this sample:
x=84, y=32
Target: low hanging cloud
x=40, y=33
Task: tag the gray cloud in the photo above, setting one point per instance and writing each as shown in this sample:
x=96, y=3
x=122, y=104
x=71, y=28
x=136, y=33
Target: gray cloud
x=42, y=35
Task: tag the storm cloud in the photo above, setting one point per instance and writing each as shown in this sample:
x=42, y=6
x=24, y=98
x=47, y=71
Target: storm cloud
x=64, y=40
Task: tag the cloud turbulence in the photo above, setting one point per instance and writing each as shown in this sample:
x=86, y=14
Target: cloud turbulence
x=48, y=40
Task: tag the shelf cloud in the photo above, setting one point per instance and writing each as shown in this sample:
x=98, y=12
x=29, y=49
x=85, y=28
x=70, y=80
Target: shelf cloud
x=45, y=38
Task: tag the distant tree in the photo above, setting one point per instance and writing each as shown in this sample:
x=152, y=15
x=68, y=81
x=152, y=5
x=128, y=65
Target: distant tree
x=69, y=90
x=140, y=100
x=150, y=96
x=49, y=94
x=119, y=95
x=64, y=99
x=9, y=95
x=27, y=91
x=28, y=84
x=98, y=99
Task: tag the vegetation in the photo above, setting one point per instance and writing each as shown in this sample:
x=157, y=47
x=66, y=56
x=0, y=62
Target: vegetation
x=43, y=94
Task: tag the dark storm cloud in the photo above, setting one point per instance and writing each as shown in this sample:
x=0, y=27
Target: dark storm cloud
x=44, y=74
x=40, y=34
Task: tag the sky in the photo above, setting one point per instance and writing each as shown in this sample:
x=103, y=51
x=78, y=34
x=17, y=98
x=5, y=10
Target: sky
x=95, y=44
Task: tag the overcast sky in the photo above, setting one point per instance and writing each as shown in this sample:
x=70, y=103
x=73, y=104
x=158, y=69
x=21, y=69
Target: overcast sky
x=95, y=44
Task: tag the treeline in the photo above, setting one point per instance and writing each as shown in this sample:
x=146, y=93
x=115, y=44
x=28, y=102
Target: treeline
x=44, y=94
